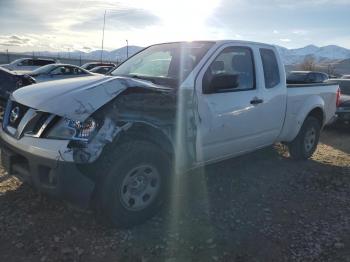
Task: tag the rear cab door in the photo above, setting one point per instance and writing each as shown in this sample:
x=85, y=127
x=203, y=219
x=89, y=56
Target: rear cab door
x=274, y=93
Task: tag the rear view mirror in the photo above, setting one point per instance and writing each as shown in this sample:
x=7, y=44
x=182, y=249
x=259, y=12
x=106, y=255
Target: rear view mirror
x=223, y=82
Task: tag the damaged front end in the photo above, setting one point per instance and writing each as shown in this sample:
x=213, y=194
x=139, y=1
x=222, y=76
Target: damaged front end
x=96, y=112
x=60, y=148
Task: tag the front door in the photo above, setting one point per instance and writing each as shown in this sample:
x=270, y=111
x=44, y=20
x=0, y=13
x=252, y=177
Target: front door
x=230, y=120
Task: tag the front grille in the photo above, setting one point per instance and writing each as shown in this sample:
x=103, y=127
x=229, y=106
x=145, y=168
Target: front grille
x=20, y=120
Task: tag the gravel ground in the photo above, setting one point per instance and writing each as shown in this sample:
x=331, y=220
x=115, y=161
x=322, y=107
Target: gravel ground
x=260, y=207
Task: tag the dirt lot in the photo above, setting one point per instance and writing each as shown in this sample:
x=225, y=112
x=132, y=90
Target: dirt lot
x=260, y=207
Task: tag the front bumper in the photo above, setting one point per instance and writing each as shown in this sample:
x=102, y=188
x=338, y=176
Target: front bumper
x=47, y=165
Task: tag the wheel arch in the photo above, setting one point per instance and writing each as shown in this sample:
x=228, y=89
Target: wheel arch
x=150, y=133
x=318, y=113
x=314, y=106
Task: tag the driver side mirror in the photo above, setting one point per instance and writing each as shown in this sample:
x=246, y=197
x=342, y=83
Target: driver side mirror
x=221, y=83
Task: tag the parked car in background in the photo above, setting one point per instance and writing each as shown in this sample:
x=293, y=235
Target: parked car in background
x=113, y=142
x=343, y=108
x=103, y=70
x=58, y=71
x=89, y=66
x=28, y=64
x=345, y=77
x=306, y=77
x=9, y=82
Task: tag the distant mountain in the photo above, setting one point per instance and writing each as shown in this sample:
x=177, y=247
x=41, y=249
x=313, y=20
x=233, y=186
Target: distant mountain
x=324, y=54
x=115, y=55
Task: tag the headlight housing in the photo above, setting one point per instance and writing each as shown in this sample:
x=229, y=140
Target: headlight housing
x=69, y=129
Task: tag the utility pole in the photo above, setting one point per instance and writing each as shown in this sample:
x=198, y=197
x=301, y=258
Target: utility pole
x=127, y=49
x=103, y=33
x=8, y=56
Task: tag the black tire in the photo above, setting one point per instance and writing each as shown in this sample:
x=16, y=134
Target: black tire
x=301, y=147
x=112, y=191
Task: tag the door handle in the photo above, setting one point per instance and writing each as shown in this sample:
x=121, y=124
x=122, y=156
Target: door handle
x=256, y=101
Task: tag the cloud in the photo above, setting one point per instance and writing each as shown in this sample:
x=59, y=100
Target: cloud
x=286, y=40
x=62, y=24
x=122, y=19
x=300, y=32
x=287, y=3
x=15, y=40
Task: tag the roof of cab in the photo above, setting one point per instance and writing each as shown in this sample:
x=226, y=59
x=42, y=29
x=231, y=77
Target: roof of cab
x=243, y=42
x=222, y=42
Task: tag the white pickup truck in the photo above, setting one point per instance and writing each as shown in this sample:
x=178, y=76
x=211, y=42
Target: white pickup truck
x=116, y=142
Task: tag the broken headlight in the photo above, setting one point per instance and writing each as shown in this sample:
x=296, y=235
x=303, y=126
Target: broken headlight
x=73, y=130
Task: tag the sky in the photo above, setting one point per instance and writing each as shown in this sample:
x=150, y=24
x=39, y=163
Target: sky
x=66, y=25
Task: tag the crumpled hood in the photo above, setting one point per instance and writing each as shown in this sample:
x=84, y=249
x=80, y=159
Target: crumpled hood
x=75, y=98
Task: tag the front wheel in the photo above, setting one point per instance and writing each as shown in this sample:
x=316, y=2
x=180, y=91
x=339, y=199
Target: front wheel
x=135, y=185
x=305, y=144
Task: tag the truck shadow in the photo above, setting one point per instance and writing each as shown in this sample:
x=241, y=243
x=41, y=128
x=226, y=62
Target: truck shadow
x=222, y=210
x=258, y=198
x=337, y=137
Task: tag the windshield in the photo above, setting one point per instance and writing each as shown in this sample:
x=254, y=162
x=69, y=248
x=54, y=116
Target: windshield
x=85, y=66
x=165, y=64
x=43, y=70
x=89, y=66
x=101, y=69
x=17, y=61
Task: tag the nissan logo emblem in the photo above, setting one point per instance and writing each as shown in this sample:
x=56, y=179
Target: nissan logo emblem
x=14, y=115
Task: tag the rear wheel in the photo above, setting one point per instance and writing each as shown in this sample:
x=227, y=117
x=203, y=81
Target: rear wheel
x=135, y=184
x=305, y=144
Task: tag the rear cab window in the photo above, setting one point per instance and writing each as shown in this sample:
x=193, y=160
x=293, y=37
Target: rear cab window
x=270, y=67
